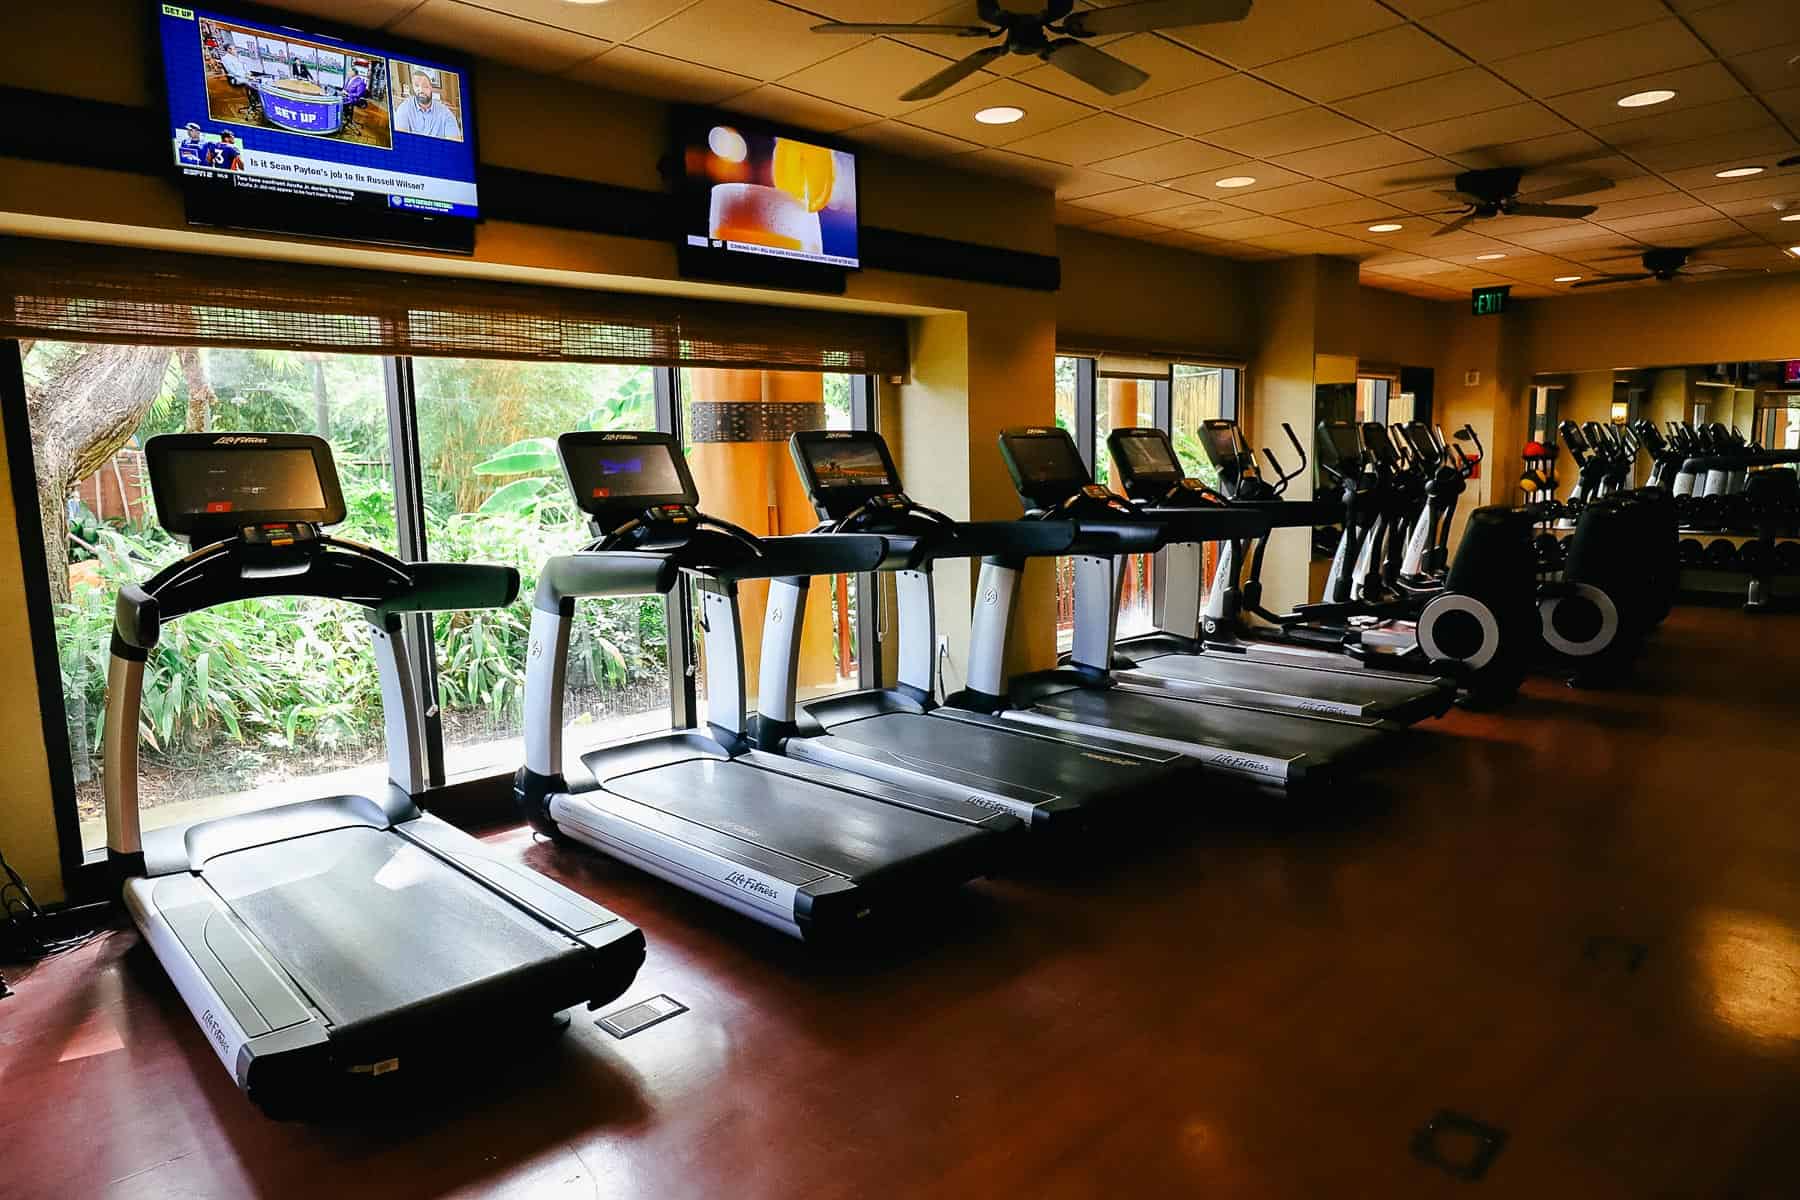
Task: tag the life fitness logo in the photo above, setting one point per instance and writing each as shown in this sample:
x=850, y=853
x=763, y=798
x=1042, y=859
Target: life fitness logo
x=990, y=596
x=240, y=439
x=618, y=437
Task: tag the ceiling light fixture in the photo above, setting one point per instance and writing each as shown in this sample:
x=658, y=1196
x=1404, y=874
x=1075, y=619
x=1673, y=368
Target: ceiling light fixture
x=1488, y=257
x=1792, y=217
x=1000, y=114
x=1235, y=181
x=1566, y=278
x=1646, y=99
x=1738, y=173
x=1794, y=250
x=1385, y=227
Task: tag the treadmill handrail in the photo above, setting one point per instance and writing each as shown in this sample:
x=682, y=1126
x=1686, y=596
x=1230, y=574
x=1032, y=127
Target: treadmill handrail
x=1208, y=524
x=334, y=569
x=587, y=573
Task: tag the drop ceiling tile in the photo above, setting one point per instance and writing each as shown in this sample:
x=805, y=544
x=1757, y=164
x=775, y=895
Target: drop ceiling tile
x=1741, y=26
x=1769, y=69
x=1401, y=177
x=1285, y=134
x=1785, y=102
x=1084, y=181
x=1694, y=87
x=1171, y=160
x=1277, y=29
x=746, y=37
x=772, y=102
x=1317, y=241
x=1075, y=216
x=1295, y=196
x=1707, y=121
x=1514, y=123
x=1136, y=201
x=1171, y=67
x=874, y=10
x=1610, y=211
x=956, y=116
x=1719, y=191
x=615, y=21
x=1634, y=188
x=1496, y=29
x=1251, y=227
x=1552, y=149
x=641, y=73
x=912, y=141
x=1198, y=215
x=1688, y=214
x=1695, y=161
x=1128, y=227
x=1425, y=201
x=965, y=12
x=1355, y=214
x=513, y=40
x=1232, y=100
x=1508, y=228
x=1079, y=143
x=360, y=14
x=1574, y=237
x=872, y=75
x=1357, y=154
x=1410, y=266
x=1038, y=172
x=1697, y=233
x=1205, y=183
x=1600, y=62
x=1393, y=56
x=1471, y=90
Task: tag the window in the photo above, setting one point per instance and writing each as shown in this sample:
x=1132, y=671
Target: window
x=1544, y=400
x=1121, y=403
x=494, y=492
x=245, y=704
x=735, y=435
x=1199, y=393
x=1372, y=393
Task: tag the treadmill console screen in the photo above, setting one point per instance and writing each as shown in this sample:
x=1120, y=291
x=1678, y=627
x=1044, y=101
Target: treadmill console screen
x=1147, y=456
x=1376, y=441
x=1039, y=460
x=1220, y=440
x=615, y=471
x=1339, y=441
x=850, y=463
x=220, y=482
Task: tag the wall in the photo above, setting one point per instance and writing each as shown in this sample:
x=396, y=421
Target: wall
x=1121, y=294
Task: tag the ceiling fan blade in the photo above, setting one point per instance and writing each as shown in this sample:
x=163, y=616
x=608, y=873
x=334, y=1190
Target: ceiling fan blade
x=955, y=73
x=1572, y=212
x=1602, y=280
x=1574, y=187
x=1459, y=197
x=1453, y=226
x=867, y=29
x=1155, y=14
x=1096, y=68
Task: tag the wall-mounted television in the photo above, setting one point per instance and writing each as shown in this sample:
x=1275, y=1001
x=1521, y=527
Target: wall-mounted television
x=310, y=130
x=1790, y=372
x=761, y=203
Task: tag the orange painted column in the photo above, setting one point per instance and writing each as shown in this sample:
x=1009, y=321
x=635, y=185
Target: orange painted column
x=738, y=429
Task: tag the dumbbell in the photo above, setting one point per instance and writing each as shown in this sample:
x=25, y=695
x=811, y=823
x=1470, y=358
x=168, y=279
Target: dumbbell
x=1787, y=557
x=1721, y=554
x=1691, y=552
x=1755, y=557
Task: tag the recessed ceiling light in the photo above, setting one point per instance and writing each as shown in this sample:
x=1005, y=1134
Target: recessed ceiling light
x=1792, y=217
x=1000, y=114
x=1488, y=257
x=1566, y=279
x=1646, y=99
x=1235, y=181
x=1794, y=250
x=1385, y=227
x=1738, y=173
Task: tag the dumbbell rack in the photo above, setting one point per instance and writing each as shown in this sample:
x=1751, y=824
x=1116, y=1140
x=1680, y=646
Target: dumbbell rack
x=1715, y=563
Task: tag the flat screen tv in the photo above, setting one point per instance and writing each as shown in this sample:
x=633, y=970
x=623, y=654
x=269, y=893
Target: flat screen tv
x=303, y=129
x=760, y=203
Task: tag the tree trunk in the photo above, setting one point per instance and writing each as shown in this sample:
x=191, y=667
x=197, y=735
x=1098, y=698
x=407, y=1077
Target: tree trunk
x=78, y=421
x=321, y=398
x=200, y=395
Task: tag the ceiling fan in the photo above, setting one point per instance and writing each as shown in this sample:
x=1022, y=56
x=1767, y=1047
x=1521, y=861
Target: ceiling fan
x=1494, y=192
x=1057, y=34
x=1662, y=264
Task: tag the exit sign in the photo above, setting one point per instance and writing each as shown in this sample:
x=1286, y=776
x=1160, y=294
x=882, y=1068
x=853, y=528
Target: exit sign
x=1490, y=301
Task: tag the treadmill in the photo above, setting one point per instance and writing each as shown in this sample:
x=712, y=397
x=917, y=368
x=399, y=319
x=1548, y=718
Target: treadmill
x=1052, y=781
x=1176, y=658
x=807, y=849
x=328, y=945
x=1276, y=752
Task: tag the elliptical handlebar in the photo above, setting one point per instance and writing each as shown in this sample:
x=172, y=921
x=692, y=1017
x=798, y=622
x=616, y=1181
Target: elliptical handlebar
x=1282, y=478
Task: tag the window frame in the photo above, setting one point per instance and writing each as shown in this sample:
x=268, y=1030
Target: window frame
x=85, y=875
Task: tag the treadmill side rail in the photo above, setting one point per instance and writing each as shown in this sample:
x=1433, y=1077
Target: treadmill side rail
x=567, y=910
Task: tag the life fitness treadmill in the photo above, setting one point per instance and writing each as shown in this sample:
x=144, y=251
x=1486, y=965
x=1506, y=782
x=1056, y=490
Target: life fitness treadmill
x=1055, y=782
x=1175, y=656
x=328, y=944
x=806, y=849
x=1275, y=752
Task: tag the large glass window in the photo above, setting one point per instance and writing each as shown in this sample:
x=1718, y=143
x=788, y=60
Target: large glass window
x=1198, y=393
x=1123, y=403
x=246, y=704
x=494, y=492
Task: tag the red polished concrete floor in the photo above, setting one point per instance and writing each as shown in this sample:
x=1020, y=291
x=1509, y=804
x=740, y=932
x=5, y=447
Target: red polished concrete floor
x=1577, y=922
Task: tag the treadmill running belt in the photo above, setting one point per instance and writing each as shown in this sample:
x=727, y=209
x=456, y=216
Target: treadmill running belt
x=1253, y=731
x=1034, y=768
x=1345, y=687
x=367, y=922
x=836, y=830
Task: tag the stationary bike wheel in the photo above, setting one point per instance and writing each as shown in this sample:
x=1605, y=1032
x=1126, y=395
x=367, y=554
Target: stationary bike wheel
x=1579, y=625
x=1454, y=628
